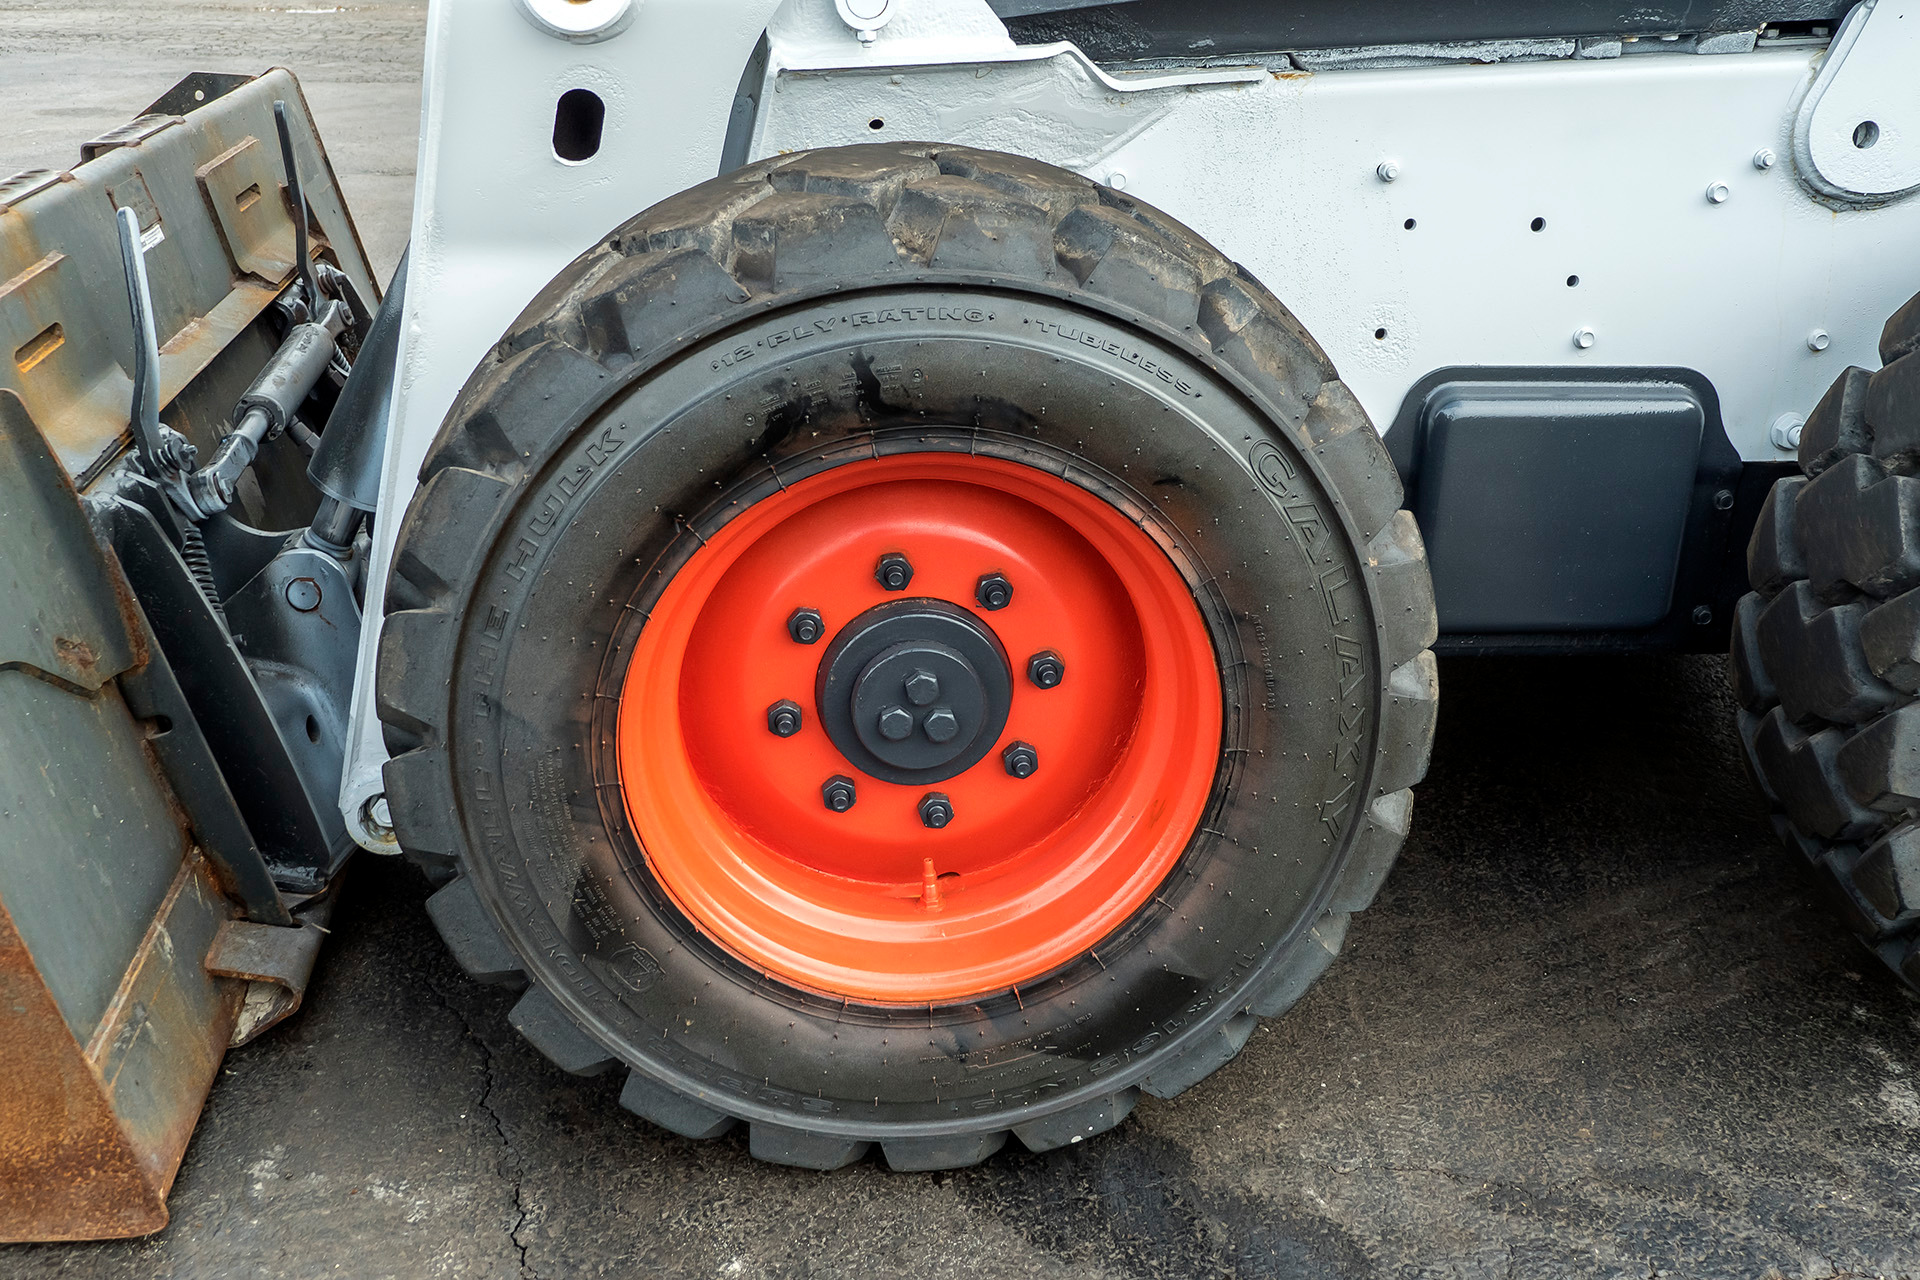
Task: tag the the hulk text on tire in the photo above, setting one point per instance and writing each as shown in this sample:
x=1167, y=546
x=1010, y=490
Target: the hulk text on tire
x=902, y=645
x=1826, y=651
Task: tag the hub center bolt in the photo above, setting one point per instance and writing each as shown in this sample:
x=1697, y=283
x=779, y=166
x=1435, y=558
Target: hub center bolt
x=922, y=687
x=1045, y=669
x=936, y=811
x=893, y=572
x=941, y=724
x=896, y=724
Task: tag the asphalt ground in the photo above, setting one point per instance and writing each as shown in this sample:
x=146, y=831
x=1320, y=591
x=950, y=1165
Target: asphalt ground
x=1597, y=1024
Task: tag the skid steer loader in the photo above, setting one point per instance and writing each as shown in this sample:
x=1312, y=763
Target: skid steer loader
x=887, y=555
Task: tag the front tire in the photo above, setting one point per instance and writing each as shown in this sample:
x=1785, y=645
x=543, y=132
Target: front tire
x=645, y=655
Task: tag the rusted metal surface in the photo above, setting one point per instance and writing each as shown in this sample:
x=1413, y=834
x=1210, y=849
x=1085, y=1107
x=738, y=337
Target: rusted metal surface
x=66, y=624
x=240, y=183
x=110, y=1029
x=130, y=134
x=17, y=188
x=217, y=230
x=69, y=1171
x=91, y=1135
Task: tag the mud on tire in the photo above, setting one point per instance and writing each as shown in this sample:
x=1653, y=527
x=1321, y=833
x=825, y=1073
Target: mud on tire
x=785, y=324
x=1826, y=650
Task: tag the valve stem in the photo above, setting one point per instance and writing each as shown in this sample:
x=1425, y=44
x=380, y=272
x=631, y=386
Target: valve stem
x=929, y=886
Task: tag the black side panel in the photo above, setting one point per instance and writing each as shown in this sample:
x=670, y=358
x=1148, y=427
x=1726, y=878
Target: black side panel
x=1556, y=506
x=1184, y=29
x=1578, y=510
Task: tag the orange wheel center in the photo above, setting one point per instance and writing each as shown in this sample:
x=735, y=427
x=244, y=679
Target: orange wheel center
x=919, y=728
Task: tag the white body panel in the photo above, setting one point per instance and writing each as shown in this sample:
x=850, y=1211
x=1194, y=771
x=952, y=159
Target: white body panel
x=1280, y=169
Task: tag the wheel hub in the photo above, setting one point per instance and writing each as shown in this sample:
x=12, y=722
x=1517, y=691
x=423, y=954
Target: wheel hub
x=994, y=772
x=914, y=691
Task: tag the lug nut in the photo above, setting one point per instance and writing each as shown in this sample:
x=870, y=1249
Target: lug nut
x=893, y=572
x=1045, y=669
x=922, y=687
x=837, y=791
x=941, y=724
x=896, y=724
x=993, y=591
x=783, y=718
x=936, y=811
x=805, y=626
x=1020, y=759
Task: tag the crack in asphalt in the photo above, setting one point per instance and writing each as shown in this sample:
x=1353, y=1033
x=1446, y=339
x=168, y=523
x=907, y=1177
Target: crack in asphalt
x=509, y=1167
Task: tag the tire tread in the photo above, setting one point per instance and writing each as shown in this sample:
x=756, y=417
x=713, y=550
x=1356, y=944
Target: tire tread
x=1825, y=659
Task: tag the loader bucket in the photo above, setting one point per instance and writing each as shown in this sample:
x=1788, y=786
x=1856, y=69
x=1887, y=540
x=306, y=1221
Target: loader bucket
x=142, y=926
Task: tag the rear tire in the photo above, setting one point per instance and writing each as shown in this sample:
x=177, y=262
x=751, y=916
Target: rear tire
x=595, y=710
x=1826, y=650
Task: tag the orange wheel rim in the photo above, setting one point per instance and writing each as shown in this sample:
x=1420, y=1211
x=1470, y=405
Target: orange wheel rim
x=871, y=903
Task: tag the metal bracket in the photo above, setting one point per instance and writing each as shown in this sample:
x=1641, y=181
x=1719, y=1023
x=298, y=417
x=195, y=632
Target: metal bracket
x=1856, y=134
x=277, y=772
x=153, y=692
x=274, y=960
